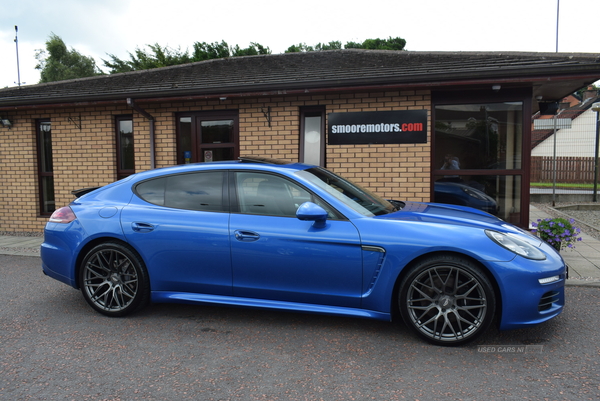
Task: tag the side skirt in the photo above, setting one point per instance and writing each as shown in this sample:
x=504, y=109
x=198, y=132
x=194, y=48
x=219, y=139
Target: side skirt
x=191, y=298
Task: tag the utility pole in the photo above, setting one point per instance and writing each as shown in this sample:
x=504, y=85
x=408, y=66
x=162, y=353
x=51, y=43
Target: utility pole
x=557, y=14
x=17, y=45
x=596, y=108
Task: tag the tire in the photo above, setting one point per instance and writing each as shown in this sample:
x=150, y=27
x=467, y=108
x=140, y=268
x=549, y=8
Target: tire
x=114, y=280
x=447, y=300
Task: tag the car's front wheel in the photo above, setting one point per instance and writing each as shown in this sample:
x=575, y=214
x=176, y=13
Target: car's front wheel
x=447, y=300
x=113, y=279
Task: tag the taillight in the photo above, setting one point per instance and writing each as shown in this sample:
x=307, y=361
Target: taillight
x=63, y=215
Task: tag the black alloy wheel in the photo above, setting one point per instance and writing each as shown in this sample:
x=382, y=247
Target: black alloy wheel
x=113, y=279
x=447, y=300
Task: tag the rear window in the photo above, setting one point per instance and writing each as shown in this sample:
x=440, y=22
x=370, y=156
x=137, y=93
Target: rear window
x=194, y=191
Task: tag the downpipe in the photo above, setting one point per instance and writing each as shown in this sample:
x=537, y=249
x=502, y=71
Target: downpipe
x=131, y=103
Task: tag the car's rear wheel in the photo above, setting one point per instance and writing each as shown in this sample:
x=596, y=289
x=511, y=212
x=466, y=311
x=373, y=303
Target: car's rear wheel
x=113, y=279
x=447, y=300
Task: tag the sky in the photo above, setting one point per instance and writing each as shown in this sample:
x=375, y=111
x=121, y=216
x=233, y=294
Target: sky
x=97, y=28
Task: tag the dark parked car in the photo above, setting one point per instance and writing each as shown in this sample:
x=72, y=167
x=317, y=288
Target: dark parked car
x=460, y=194
x=260, y=233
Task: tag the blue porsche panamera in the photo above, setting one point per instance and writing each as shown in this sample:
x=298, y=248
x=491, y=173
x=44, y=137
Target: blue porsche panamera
x=266, y=234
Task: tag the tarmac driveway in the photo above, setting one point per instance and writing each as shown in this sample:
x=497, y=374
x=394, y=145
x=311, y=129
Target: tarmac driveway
x=53, y=346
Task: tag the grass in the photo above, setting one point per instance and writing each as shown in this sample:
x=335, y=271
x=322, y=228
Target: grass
x=562, y=185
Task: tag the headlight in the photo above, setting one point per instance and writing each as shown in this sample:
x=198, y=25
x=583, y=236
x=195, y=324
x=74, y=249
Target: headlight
x=516, y=245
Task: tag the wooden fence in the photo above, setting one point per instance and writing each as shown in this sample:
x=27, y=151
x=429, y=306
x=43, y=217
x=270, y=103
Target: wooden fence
x=572, y=170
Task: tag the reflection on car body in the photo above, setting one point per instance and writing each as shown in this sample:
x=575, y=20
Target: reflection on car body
x=266, y=234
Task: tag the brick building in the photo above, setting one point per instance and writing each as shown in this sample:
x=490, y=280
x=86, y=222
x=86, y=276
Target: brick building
x=385, y=119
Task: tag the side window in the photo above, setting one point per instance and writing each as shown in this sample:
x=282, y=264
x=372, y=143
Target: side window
x=195, y=191
x=271, y=195
x=152, y=191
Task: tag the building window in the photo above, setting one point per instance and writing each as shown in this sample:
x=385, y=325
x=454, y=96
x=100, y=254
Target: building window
x=125, y=150
x=45, y=168
x=312, y=135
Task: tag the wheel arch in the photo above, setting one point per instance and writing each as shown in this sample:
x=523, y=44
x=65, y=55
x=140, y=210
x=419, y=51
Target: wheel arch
x=394, y=307
x=92, y=244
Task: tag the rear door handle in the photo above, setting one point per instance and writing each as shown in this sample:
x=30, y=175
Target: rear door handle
x=246, y=236
x=142, y=227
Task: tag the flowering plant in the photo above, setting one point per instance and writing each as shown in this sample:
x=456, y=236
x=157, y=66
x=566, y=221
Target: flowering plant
x=558, y=232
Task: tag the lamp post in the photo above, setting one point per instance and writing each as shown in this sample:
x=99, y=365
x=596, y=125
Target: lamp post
x=596, y=108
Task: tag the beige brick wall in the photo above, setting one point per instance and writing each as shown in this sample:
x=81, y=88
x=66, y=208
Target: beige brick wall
x=84, y=153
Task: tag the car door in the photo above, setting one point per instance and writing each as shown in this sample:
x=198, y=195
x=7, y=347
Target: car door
x=179, y=224
x=276, y=256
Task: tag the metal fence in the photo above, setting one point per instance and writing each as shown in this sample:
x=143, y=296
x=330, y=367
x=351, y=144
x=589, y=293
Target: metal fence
x=570, y=154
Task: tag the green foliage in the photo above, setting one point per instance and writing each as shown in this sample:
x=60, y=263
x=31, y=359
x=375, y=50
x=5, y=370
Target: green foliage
x=299, y=48
x=353, y=45
x=58, y=63
x=303, y=47
x=157, y=56
x=581, y=185
x=253, y=50
x=207, y=51
x=373, y=44
x=384, y=44
x=335, y=45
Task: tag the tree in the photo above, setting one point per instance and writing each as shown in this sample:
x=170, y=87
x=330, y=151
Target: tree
x=302, y=47
x=378, y=44
x=58, y=63
x=373, y=44
x=158, y=56
x=207, y=51
x=253, y=50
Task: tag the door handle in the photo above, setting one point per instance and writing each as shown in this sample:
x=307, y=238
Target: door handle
x=246, y=236
x=142, y=227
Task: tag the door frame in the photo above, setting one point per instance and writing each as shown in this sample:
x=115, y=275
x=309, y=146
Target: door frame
x=523, y=95
x=197, y=146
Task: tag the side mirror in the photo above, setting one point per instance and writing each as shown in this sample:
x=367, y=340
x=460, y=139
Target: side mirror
x=309, y=211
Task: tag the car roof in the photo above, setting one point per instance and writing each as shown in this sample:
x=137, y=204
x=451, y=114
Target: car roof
x=262, y=163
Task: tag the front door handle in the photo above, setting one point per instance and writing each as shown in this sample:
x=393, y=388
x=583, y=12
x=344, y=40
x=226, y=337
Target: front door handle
x=246, y=236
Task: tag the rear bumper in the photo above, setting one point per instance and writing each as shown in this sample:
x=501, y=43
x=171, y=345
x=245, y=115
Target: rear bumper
x=58, y=253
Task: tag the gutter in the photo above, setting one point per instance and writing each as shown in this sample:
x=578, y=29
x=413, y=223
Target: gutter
x=131, y=103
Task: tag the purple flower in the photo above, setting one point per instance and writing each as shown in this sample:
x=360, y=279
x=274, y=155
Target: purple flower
x=557, y=231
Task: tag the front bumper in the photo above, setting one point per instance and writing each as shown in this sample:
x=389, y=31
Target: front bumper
x=525, y=301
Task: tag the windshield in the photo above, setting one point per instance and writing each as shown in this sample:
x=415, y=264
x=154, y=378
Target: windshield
x=353, y=196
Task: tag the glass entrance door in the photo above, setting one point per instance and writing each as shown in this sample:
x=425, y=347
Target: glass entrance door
x=207, y=136
x=478, y=157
